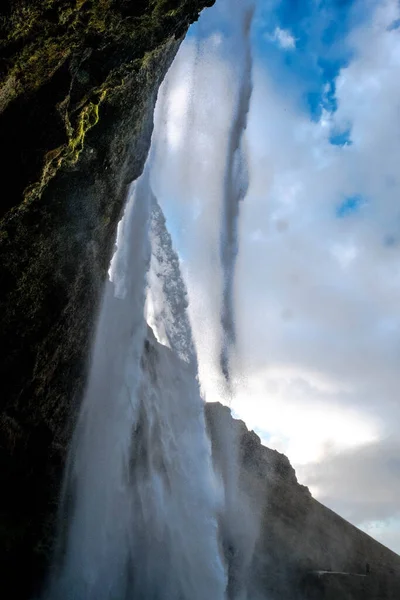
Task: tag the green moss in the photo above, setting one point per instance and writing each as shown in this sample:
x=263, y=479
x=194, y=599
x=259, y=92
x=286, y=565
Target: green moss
x=68, y=154
x=65, y=86
x=42, y=64
x=87, y=118
x=47, y=33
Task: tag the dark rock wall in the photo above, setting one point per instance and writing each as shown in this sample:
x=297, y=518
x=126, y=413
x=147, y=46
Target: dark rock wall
x=78, y=84
x=341, y=586
x=297, y=534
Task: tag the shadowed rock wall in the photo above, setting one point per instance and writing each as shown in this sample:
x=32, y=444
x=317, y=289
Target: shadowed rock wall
x=78, y=84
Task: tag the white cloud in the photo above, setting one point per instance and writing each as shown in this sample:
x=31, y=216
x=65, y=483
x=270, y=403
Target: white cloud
x=283, y=38
x=345, y=253
x=301, y=414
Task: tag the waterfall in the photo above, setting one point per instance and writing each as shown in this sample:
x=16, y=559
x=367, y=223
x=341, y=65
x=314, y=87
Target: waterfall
x=235, y=188
x=167, y=300
x=140, y=497
x=201, y=162
x=143, y=514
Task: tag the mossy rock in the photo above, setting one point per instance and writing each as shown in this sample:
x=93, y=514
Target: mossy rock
x=78, y=84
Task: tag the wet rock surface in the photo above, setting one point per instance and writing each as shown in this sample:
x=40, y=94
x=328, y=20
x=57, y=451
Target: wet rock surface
x=78, y=84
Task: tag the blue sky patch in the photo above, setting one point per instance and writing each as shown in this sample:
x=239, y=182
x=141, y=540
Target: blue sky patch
x=308, y=70
x=341, y=138
x=350, y=206
x=321, y=49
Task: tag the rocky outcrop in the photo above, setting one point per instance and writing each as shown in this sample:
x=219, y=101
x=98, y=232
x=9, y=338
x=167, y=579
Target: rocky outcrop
x=304, y=551
x=79, y=80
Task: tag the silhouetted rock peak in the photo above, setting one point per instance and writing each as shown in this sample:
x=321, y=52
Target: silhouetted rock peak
x=260, y=459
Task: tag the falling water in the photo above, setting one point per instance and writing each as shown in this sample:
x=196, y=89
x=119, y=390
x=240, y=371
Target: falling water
x=141, y=525
x=146, y=517
x=97, y=496
x=235, y=189
x=167, y=299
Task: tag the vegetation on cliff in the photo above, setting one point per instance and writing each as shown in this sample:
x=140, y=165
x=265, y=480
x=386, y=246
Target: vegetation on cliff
x=83, y=51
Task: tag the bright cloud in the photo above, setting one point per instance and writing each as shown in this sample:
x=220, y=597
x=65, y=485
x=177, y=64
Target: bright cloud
x=300, y=414
x=283, y=38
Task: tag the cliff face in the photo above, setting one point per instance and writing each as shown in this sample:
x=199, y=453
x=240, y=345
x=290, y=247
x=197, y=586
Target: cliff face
x=304, y=551
x=79, y=80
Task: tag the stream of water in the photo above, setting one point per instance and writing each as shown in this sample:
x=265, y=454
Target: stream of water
x=143, y=513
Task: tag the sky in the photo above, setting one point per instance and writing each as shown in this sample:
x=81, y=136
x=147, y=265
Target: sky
x=317, y=282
